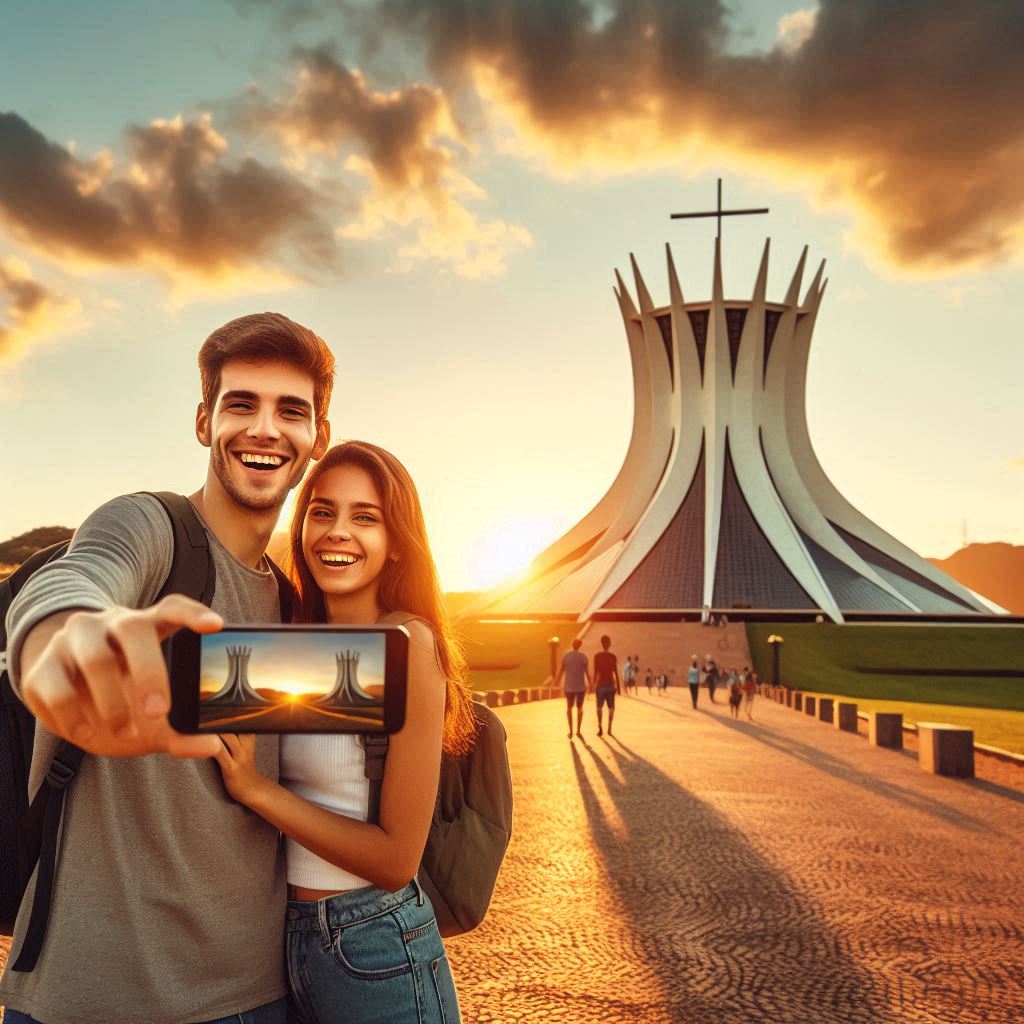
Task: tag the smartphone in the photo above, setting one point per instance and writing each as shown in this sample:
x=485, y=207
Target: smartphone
x=289, y=678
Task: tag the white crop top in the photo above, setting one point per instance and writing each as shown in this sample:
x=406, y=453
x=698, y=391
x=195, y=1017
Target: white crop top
x=328, y=770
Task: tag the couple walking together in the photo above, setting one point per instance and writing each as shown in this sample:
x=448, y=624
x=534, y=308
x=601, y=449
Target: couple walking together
x=174, y=900
x=576, y=673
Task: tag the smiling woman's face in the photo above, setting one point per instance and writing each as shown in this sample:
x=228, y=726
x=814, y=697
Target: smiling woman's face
x=345, y=539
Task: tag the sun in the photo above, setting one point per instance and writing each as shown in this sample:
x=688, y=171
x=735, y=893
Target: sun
x=506, y=547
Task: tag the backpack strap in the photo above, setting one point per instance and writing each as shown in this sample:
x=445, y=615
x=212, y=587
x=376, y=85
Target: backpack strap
x=285, y=590
x=375, y=744
x=193, y=574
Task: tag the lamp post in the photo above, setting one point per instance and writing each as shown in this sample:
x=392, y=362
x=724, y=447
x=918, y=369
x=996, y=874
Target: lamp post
x=775, y=641
x=553, y=647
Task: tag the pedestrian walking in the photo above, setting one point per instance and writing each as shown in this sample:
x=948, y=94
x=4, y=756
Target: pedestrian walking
x=749, y=692
x=711, y=677
x=648, y=680
x=627, y=673
x=662, y=684
x=577, y=681
x=606, y=682
x=735, y=695
x=636, y=671
x=693, y=679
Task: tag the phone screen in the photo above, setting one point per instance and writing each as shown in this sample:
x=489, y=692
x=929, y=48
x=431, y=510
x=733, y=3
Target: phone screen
x=284, y=681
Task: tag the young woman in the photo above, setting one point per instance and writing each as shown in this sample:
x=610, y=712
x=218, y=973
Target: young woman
x=361, y=937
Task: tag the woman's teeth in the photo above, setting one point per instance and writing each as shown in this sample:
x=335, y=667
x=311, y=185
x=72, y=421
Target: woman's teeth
x=338, y=559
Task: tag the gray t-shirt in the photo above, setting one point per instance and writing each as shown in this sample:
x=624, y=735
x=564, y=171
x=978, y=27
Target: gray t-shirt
x=575, y=665
x=169, y=897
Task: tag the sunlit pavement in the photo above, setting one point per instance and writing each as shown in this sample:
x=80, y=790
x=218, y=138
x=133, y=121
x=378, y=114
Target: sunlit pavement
x=696, y=868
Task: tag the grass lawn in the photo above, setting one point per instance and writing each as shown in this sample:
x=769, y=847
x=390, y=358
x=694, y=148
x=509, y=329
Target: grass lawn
x=512, y=655
x=825, y=658
x=1003, y=729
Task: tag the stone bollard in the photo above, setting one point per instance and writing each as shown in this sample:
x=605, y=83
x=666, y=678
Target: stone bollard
x=492, y=698
x=846, y=717
x=798, y=701
x=810, y=705
x=789, y=697
x=522, y=697
x=885, y=729
x=535, y=695
x=826, y=706
x=507, y=697
x=945, y=749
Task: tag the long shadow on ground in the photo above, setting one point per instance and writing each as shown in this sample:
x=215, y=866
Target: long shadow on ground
x=823, y=761
x=726, y=936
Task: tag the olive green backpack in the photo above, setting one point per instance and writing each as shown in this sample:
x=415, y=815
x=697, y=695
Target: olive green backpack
x=472, y=821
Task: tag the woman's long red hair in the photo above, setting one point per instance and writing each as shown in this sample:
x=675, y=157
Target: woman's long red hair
x=408, y=584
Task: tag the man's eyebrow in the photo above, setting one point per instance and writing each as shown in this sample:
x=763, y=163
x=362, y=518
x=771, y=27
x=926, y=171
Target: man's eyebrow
x=251, y=396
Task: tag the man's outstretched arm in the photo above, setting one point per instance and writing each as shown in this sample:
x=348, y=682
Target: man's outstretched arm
x=84, y=649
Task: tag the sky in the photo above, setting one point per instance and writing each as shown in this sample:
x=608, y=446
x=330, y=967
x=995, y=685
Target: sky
x=442, y=190
x=296, y=663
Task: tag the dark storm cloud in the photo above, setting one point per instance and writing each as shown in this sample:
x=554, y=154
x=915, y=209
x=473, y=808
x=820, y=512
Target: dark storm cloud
x=909, y=112
x=175, y=204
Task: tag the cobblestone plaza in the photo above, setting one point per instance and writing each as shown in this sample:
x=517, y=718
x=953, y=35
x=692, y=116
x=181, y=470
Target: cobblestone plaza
x=700, y=870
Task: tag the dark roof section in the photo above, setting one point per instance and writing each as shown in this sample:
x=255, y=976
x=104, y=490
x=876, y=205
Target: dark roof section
x=672, y=573
x=771, y=323
x=853, y=593
x=665, y=323
x=900, y=575
x=748, y=572
x=699, y=323
x=734, y=321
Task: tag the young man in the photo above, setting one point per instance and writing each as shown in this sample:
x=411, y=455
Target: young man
x=577, y=682
x=606, y=682
x=169, y=898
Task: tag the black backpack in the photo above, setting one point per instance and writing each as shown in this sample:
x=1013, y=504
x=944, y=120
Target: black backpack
x=471, y=826
x=28, y=832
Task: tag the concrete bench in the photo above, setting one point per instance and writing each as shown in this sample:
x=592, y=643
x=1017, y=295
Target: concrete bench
x=945, y=749
x=492, y=698
x=885, y=729
x=846, y=717
x=522, y=697
x=798, y=701
x=507, y=697
x=788, y=697
x=535, y=695
x=810, y=705
x=826, y=706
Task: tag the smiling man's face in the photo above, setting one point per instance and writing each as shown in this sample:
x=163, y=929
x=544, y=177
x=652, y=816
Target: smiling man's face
x=261, y=432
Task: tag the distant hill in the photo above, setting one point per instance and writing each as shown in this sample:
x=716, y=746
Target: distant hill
x=994, y=570
x=14, y=551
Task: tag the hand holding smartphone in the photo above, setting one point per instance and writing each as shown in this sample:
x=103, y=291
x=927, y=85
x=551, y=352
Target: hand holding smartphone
x=289, y=678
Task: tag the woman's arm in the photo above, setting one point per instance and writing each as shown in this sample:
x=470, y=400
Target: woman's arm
x=386, y=854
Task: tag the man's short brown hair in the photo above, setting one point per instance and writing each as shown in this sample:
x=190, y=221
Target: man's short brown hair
x=264, y=338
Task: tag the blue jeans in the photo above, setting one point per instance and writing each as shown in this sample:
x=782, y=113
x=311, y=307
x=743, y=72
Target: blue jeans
x=268, y=1013
x=369, y=957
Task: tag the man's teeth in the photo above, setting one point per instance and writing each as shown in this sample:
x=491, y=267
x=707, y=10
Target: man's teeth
x=261, y=460
x=337, y=559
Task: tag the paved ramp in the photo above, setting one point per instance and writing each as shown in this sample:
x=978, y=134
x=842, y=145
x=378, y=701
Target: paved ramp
x=698, y=869
x=668, y=646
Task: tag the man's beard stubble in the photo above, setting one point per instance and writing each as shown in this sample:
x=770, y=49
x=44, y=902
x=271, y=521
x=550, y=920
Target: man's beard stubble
x=252, y=503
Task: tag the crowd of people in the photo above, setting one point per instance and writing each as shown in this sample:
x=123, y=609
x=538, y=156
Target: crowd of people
x=574, y=676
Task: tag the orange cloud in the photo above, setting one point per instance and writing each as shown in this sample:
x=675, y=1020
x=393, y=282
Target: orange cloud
x=405, y=144
x=175, y=205
x=908, y=114
x=32, y=311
